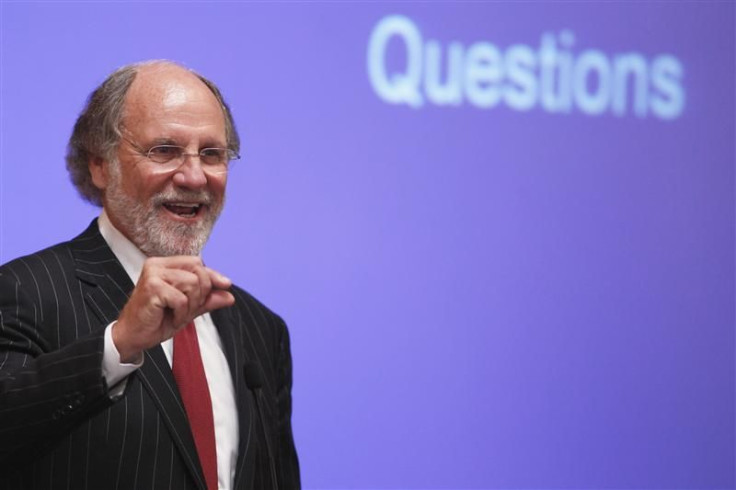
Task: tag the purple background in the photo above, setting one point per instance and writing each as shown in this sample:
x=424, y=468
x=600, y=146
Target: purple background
x=477, y=298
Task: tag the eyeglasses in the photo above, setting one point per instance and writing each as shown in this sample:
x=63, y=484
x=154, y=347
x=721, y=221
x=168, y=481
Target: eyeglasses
x=170, y=157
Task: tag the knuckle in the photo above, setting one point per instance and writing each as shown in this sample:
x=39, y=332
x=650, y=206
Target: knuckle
x=179, y=302
x=193, y=261
x=153, y=283
x=151, y=262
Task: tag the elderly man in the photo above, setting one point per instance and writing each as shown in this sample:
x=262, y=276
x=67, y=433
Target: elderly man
x=125, y=362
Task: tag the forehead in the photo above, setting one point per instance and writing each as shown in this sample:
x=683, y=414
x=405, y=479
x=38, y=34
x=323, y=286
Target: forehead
x=171, y=102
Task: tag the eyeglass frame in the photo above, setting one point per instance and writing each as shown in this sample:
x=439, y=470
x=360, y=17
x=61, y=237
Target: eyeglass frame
x=231, y=154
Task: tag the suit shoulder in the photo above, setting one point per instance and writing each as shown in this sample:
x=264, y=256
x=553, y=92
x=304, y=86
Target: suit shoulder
x=50, y=264
x=243, y=297
x=250, y=305
x=46, y=262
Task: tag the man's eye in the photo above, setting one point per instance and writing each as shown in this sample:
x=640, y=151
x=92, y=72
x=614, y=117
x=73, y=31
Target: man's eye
x=164, y=150
x=164, y=153
x=212, y=155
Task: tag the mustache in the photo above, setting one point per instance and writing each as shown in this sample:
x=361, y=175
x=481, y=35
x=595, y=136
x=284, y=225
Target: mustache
x=202, y=197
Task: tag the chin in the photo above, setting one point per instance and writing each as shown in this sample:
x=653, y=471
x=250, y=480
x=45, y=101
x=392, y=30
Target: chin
x=157, y=234
x=162, y=237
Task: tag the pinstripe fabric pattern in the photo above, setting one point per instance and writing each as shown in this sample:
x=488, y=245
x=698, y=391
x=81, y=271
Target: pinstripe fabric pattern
x=58, y=427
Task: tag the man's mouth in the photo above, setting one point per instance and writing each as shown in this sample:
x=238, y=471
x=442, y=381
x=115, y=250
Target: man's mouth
x=183, y=209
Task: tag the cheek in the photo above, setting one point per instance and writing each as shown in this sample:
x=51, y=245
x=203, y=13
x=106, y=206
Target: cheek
x=145, y=185
x=217, y=185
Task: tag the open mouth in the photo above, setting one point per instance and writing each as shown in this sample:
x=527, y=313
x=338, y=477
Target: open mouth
x=182, y=209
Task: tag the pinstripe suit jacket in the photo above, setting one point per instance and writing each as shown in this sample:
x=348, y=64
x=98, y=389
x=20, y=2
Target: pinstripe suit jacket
x=59, y=428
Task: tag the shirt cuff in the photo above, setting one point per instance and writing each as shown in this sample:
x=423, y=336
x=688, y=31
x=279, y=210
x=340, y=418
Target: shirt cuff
x=115, y=372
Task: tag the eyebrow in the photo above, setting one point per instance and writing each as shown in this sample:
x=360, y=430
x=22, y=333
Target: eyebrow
x=164, y=141
x=173, y=142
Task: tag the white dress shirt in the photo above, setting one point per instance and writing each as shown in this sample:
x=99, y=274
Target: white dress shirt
x=216, y=368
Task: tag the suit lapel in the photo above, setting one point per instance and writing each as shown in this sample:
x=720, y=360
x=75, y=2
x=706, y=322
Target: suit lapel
x=106, y=288
x=105, y=284
x=231, y=334
x=155, y=374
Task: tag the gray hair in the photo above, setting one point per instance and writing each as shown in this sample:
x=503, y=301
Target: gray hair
x=97, y=131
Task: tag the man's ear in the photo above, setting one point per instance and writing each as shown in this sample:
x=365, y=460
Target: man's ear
x=99, y=170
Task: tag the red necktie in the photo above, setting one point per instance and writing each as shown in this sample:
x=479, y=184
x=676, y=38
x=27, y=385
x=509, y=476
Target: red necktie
x=188, y=372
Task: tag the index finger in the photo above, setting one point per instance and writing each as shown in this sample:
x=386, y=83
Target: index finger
x=219, y=280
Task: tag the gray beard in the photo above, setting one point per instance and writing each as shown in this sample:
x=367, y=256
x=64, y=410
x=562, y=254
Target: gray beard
x=153, y=234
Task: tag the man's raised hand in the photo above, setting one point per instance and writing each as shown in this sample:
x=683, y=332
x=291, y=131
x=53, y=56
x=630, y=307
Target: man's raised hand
x=170, y=293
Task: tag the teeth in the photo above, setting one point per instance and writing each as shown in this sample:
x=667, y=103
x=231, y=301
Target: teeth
x=183, y=205
x=186, y=209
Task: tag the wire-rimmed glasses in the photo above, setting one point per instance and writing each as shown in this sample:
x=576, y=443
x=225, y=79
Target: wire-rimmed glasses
x=170, y=157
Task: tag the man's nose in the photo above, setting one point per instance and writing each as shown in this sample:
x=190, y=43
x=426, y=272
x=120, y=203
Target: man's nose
x=190, y=173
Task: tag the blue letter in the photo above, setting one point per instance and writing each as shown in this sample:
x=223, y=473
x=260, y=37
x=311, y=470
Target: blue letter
x=596, y=102
x=622, y=66
x=666, y=76
x=451, y=91
x=399, y=87
x=482, y=70
x=521, y=91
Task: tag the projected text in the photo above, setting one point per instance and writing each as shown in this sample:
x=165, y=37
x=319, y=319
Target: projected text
x=552, y=76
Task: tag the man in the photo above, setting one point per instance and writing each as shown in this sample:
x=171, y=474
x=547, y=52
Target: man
x=125, y=362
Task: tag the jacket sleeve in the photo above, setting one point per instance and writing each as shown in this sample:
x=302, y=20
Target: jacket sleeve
x=44, y=393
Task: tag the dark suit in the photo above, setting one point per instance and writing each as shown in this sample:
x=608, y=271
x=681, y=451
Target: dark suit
x=58, y=426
